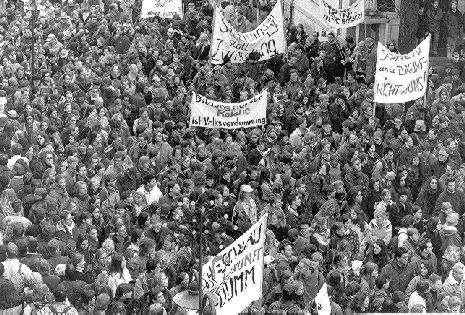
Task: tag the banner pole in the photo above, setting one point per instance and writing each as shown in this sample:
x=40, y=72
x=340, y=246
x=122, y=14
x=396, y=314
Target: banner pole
x=258, y=11
x=200, y=231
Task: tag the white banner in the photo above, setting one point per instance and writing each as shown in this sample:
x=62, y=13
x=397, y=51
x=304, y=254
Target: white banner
x=401, y=78
x=322, y=301
x=342, y=18
x=267, y=39
x=162, y=8
x=233, y=278
x=212, y=114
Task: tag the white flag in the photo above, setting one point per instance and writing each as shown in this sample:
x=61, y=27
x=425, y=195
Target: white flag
x=322, y=301
x=162, y=8
x=401, y=78
x=212, y=114
x=267, y=39
x=233, y=278
x=342, y=18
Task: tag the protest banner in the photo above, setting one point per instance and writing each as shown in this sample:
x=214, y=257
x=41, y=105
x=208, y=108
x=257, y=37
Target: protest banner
x=342, y=18
x=401, y=78
x=212, y=114
x=267, y=39
x=163, y=8
x=322, y=301
x=233, y=278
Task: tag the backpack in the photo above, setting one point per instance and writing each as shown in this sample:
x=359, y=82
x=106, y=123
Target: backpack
x=55, y=311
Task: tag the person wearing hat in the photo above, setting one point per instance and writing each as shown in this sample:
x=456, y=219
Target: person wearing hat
x=245, y=212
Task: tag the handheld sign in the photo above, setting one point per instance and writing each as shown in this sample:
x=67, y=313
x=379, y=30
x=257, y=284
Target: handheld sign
x=267, y=39
x=342, y=18
x=212, y=114
x=401, y=78
x=162, y=8
x=233, y=278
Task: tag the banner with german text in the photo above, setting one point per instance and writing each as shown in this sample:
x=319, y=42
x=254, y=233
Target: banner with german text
x=342, y=18
x=267, y=39
x=401, y=78
x=162, y=8
x=233, y=278
x=212, y=114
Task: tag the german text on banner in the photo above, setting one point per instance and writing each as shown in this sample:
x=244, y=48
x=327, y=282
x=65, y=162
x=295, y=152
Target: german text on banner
x=267, y=39
x=162, y=8
x=233, y=278
x=212, y=114
x=342, y=18
x=401, y=78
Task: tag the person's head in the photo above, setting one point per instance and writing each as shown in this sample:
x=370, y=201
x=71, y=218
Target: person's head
x=117, y=263
x=451, y=186
x=402, y=255
x=433, y=184
x=11, y=250
x=458, y=272
x=78, y=261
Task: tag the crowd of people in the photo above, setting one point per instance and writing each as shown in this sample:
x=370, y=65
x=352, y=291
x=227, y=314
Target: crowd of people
x=104, y=186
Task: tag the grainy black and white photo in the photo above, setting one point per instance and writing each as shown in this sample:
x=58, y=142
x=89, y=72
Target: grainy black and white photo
x=225, y=157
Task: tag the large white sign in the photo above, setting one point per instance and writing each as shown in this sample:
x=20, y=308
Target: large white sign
x=162, y=8
x=233, y=278
x=401, y=78
x=267, y=39
x=212, y=114
x=342, y=18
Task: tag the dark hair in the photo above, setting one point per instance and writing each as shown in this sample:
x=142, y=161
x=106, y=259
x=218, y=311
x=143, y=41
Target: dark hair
x=116, y=264
x=380, y=282
x=399, y=251
x=32, y=244
x=151, y=265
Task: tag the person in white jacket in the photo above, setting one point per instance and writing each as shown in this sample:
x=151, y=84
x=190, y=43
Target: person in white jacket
x=119, y=274
x=417, y=300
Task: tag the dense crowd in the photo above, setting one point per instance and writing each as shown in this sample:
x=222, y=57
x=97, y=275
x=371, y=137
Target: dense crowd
x=104, y=187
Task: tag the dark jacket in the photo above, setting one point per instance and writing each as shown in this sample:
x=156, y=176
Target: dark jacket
x=454, y=22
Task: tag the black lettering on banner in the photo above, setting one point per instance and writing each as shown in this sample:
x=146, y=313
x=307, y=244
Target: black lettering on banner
x=268, y=48
x=412, y=67
x=214, y=50
x=235, y=285
x=414, y=86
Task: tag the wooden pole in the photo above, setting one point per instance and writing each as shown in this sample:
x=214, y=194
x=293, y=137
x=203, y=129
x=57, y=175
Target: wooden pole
x=200, y=231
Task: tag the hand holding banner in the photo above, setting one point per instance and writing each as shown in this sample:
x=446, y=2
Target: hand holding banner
x=401, y=78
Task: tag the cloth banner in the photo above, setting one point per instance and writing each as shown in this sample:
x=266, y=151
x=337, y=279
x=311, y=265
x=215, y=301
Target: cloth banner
x=233, y=278
x=162, y=8
x=267, y=39
x=212, y=114
x=342, y=18
x=322, y=301
x=401, y=78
